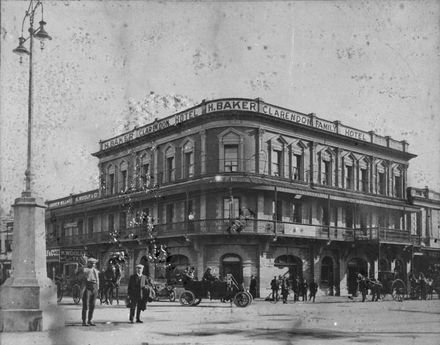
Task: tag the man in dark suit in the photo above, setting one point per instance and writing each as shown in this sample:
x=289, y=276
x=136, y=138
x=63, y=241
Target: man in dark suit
x=137, y=286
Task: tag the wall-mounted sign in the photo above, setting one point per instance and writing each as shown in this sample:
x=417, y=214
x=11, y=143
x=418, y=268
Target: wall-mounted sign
x=255, y=106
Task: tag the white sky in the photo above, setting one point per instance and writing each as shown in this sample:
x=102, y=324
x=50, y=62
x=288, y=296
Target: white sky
x=373, y=65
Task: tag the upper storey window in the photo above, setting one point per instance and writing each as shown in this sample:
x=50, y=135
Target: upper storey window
x=231, y=158
x=297, y=161
x=349, y=172
x=363, y=176
x=277, y=159
x=230, y=150
x=145, y=171
x=111, y=182
x=326, y=166
x=398, y=185
x=123, y=177
x=170, y=167
x=188, y=160
x=277, y=155
x=381, y=178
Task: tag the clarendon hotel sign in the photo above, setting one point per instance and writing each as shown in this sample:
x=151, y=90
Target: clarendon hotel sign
x=234, y=104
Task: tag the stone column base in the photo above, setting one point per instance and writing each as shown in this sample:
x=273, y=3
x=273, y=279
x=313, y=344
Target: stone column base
x=29, y=309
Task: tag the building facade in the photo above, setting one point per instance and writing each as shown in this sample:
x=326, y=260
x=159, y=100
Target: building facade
x=427, y=259
x=6, y=228
x=248, y=188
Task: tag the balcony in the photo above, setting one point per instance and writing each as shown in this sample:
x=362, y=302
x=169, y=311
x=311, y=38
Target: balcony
x=396, y=236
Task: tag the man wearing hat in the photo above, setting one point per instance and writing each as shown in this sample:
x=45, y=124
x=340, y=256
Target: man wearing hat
x=91, y=282
x=137, y=286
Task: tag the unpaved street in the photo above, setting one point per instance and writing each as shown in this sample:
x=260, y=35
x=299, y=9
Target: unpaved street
x=335, y=321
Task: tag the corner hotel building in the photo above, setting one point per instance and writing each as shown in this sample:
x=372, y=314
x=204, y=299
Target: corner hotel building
x=309, y=198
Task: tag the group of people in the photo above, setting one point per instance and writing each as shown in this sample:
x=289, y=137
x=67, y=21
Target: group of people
x=138, y=293
x=298, y=286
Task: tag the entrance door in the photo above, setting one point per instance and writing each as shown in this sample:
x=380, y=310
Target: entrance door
x=231, y=263
x=355, y=266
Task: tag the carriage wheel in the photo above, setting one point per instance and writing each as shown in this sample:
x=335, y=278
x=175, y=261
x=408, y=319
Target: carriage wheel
x=251, y=299
x=242, y=299
x=196, y=301
x=76, y=293
x=172, y=296
x=187, y=298
x=398, y=290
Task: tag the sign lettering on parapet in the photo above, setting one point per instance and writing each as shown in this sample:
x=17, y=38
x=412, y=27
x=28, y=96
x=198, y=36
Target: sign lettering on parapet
x=243, y=105
x=256, y=106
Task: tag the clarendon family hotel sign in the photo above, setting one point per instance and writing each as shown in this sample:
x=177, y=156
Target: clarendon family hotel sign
x=248, y=105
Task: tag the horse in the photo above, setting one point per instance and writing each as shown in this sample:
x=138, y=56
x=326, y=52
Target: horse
x=376, y=289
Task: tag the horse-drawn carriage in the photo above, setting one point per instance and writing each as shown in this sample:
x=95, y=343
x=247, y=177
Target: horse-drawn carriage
x=392, y=285
x=195, y=291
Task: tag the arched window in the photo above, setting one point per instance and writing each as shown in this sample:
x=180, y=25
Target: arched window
x=293, y=263
x=327, y=271
x=232, y=263
x=384, y=265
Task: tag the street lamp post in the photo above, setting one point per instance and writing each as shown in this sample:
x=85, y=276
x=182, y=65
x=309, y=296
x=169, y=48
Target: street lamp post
x=28, y=297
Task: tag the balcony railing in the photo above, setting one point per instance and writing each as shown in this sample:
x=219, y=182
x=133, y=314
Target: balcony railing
x=250, y=226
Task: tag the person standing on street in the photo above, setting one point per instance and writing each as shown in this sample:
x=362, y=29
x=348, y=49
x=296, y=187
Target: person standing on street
x=284, y=288
x=91, y=281
x=275, y=285
x=253, y=286
x=136, y=293
x=313, y=287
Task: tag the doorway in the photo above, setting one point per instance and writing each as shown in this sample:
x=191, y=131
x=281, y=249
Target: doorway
x=231, y=263
x=355, y=266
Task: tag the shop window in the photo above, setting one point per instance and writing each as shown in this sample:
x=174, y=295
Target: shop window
x=231, y=158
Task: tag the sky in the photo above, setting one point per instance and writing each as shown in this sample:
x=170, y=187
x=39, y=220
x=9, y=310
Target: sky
x=373, y=65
